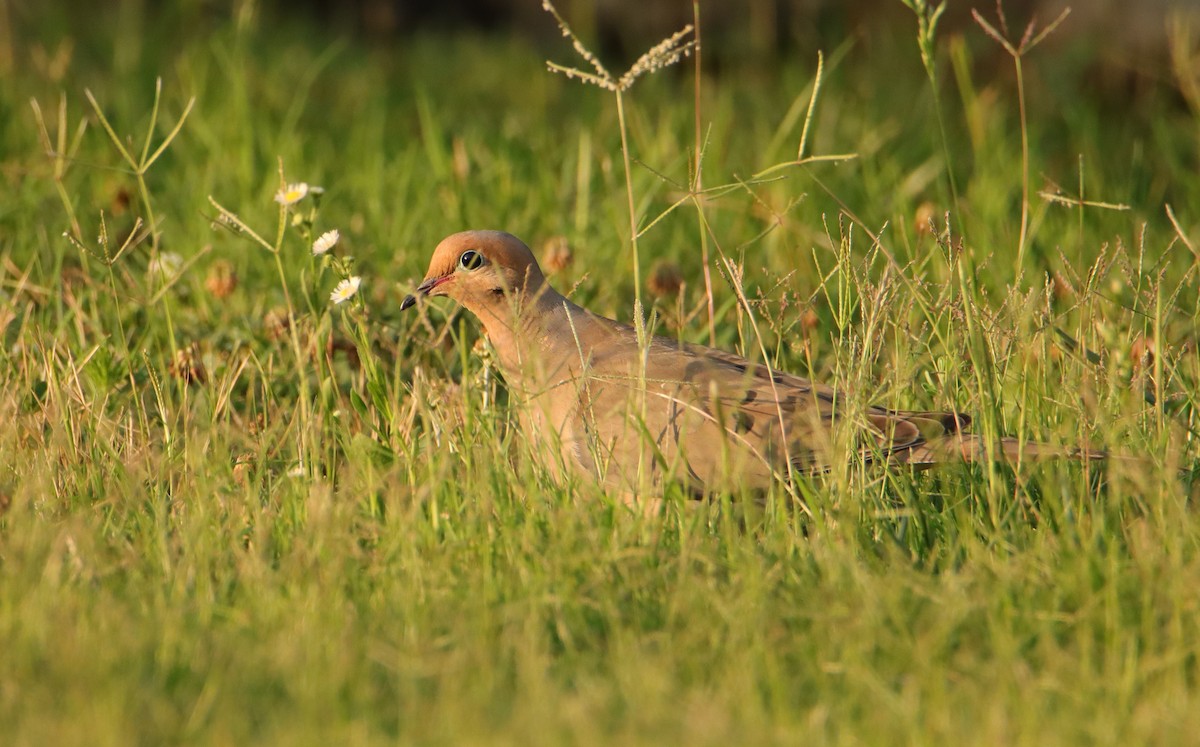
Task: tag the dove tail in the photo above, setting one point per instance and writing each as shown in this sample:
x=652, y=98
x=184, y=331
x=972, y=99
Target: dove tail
x=968, y=447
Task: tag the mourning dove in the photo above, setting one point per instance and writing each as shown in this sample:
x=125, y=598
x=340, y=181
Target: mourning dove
x=631, y=414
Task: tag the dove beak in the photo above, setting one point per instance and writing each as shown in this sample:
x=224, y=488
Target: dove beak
x=424, y=289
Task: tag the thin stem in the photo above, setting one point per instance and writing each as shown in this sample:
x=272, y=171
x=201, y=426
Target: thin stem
x=1024, y=164
x=146, y=163
x=698, y=186
x=144, y=194
x=708, y=286
x=736, y=284
x=139, y=404
x=1018, y=52
x=153, y=120
x=927, y=22
x=283, y=212
x=306, y=449
x=697, y=181
x=633, y=233
x=812, y=107
x=941, y=120
x=112, y=134
x=60, y=154
x=233, y=220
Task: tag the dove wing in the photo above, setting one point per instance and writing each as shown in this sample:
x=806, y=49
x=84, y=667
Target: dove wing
x=711, y=419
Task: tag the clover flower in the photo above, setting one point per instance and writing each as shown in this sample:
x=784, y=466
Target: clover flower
x=165, y=265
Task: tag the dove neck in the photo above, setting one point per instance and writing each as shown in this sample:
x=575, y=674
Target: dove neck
x=524, y=329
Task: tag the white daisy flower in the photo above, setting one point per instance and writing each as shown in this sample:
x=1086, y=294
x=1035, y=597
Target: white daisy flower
x=345, y=290
x=325, y=242
x=291, y=194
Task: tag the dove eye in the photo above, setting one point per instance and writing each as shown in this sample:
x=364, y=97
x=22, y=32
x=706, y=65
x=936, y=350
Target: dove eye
x=470, y=260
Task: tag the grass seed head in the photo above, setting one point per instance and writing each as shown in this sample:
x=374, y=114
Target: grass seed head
x=277, y=323
x=1061, y=287
x=222, y=279
x=666, y=279
x=556, y=255
x=188, y=366
x=923, y=219
x=667, y=52
x=242, y=464
x=1142, y=352
x=810, y=321
x=121, y=201
x=664, y=54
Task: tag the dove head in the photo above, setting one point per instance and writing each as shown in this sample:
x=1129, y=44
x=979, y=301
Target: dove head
x=481, y=270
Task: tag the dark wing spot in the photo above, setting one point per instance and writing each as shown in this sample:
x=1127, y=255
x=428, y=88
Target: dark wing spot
x=955, y=422
x=950, y=422
x=805, y=460
x=743, y=422
x=766, y=374
x=751, y=395
x=692, y=370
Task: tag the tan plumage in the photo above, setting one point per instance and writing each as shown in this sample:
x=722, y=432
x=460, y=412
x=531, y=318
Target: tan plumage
x=632, y=416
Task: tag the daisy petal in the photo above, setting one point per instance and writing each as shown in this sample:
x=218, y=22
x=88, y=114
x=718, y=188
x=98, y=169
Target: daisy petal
x=325, y=242
x=291, y=194
x=345, y=290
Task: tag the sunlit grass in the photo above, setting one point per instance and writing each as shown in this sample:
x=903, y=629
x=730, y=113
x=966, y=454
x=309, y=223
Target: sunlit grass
x=233, y=510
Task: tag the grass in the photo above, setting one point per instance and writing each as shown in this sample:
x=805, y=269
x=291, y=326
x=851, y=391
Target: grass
x=260, y=517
